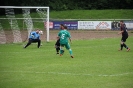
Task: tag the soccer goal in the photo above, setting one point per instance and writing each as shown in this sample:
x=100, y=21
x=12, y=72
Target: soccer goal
x=16, y=20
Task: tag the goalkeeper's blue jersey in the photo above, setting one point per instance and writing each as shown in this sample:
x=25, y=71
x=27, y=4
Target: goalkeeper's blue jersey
x=34, y=35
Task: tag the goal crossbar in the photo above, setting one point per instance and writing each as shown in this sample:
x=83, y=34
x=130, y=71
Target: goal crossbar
x=19, y=7
x=33, y=7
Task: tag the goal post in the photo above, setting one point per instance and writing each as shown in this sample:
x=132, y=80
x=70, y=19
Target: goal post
x=43, y=13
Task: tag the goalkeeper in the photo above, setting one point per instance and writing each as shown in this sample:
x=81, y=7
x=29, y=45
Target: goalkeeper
x=33, y=38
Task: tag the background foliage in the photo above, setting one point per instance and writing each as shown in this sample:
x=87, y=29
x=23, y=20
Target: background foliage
x=72, y=4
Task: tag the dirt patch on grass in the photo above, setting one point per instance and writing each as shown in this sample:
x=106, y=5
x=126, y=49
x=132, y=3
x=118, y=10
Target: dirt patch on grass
x=85, y=34
x=75, y=34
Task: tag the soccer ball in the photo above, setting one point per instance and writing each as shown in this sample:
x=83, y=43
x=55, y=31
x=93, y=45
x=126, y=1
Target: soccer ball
x=40, y=32
x=37, y=9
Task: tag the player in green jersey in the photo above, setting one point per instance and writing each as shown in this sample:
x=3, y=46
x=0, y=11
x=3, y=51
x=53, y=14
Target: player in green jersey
x=64, y=35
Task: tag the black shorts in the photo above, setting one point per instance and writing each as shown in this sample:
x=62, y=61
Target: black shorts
x=57, y=43
x=34, y=40
x=123, y=39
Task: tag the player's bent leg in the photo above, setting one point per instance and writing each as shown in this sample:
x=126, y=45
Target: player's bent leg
x=125, y=38
x=39, y=43
x=70, y=50
x=71, y=53
x=57, y=49
x=29, y=42
x=128, y=49
x=121, y=46
x=61, y=50
x=125, y=45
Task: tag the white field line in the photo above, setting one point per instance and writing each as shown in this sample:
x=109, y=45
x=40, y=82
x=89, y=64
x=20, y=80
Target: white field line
x=63, y=73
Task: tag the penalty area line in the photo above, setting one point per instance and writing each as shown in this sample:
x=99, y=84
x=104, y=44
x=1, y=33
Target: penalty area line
x=65, y=73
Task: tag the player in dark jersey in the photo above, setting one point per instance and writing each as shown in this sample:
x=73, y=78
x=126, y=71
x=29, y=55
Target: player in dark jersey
x=57, y=46
x=123, y=31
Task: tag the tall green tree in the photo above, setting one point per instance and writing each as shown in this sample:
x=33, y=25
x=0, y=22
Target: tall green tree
x=72, y=4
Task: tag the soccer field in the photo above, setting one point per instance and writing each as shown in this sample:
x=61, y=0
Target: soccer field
x=97, y=63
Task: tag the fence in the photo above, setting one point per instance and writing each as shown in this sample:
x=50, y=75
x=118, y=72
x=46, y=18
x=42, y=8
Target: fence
x=8, y=35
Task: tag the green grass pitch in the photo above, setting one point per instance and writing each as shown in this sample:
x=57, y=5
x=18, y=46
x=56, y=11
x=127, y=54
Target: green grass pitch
x=97, y=63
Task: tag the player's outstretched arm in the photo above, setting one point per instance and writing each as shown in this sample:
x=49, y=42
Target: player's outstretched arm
x=70, y=40
x=120, y=32
x=58, y=37
x=32, y=35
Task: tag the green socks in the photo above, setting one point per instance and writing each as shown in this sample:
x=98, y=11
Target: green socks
x=70, y=51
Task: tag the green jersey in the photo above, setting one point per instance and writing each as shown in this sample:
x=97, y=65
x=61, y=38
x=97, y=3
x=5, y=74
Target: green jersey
x=64, y=35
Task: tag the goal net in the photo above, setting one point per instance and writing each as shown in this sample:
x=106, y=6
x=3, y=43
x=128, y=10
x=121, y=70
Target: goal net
x=16, y=22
